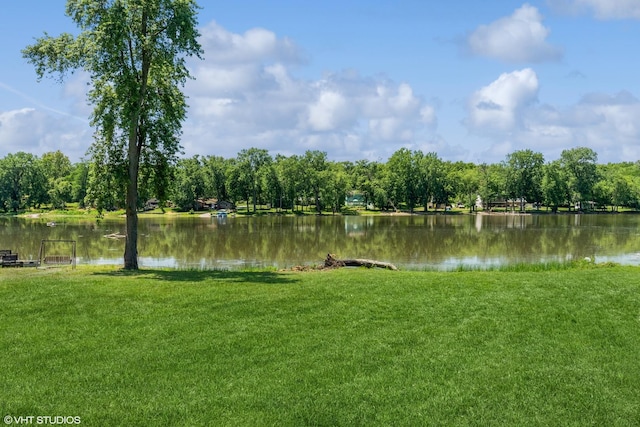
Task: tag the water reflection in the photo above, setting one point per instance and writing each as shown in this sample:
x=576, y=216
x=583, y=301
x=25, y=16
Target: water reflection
x=435, y=241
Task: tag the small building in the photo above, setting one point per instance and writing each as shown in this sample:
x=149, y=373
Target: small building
x=152, y=204
x=355, y=199
x=221, y=204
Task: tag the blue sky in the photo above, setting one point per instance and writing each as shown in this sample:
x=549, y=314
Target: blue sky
x=470, y=80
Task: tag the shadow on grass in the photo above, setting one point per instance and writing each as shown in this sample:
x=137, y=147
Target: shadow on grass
x=191, y=276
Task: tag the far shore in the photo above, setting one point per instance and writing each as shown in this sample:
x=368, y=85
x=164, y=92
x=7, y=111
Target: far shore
x=84, y=214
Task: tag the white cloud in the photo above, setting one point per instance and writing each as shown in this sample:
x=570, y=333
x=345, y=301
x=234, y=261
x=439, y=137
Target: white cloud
x=505, y=113
x=428, y=115
x=389, y=128
x=602, y=9
x=520, y=37
x=220, y=81
x=75, y=90
x=246, y=95
x=330, y=112
x=38, y=132
x=496, y=107
x=611, y=131
x=222, y=46
x=404, y=101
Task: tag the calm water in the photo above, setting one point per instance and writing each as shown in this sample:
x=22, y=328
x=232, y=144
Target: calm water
x=440, y=241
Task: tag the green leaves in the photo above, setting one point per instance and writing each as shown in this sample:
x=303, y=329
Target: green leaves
x=55, y=55
x=524, y=175
x=134, y=52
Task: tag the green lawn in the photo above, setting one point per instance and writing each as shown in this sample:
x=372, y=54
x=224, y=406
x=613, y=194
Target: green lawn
x=325, y=348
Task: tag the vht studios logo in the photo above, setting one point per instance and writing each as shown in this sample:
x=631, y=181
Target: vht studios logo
x=41, y=420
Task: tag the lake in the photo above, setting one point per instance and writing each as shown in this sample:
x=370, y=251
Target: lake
x=414, y=242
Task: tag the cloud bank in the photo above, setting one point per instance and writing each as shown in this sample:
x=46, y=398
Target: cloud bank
x=507, y=111
x=246, y=94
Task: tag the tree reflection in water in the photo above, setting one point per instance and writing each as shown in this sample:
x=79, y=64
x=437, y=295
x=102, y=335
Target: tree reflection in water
x=419, y=241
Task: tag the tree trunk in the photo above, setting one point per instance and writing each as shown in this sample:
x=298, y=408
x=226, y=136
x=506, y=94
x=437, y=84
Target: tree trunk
x=254, y=198
x=131, y=244
x=136, y=142
x=317, y=194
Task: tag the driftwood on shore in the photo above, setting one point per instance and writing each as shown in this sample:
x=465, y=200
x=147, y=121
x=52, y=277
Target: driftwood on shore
x=332, y=262
x=115, y=236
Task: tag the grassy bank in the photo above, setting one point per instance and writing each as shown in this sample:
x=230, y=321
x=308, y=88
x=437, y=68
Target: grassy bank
x=73, y=212
x=344, y=347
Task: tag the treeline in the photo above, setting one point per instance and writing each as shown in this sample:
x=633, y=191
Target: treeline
x=409, y=180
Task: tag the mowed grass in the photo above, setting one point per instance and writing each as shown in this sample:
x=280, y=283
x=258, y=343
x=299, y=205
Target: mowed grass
x=323, y=348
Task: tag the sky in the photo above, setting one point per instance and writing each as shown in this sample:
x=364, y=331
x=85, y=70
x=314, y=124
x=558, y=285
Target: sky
x=359, y=79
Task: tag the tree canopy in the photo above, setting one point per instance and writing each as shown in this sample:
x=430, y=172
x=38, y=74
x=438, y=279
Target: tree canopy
x=134, y=52
x=312, y=181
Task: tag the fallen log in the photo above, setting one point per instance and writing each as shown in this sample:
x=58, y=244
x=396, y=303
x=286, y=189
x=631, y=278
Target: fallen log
x=115, y=236
x=332, y=262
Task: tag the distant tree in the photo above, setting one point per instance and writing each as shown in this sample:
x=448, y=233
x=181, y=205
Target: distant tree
x=404, y=178
x=581, y=172
x=215, y=176
x=314, y=164
x=465, y=182
x=554, y=185
x=623, y=179
x=189, y=184
x=290, y=173
x=492, y=183
x=365, y=178
x=79, y=182
x=431, y=179
x=614, y=186
x=444, y=188
x=156, y=174
x=239, y=188
x=38, y=187
x=106, y=178
x=602, y=193
x=270, y=183
x=252, y=164
x=56, y=168
x=524, y=176
x=56, y=164
x=134, y=52
x=336, y=181
x=21, y=181
x=381, y=185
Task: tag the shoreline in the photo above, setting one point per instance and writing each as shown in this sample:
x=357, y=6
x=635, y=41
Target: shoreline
x=94, y=215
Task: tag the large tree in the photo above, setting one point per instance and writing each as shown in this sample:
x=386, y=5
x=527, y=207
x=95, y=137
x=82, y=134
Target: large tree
x=554, y=187
x=215, y=175
x=524, y=170
x=581, y=172
x=253, y=164
x=464, y=179
x=291, y=175
x=492, y=183
x=404, y=177
x=134, y=52
x=365, y=178
x=430, y=178
x=189, y=183
x=56, y=168
x=314, y=164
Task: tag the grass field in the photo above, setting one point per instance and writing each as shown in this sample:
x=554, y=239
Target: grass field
x=323, y=348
